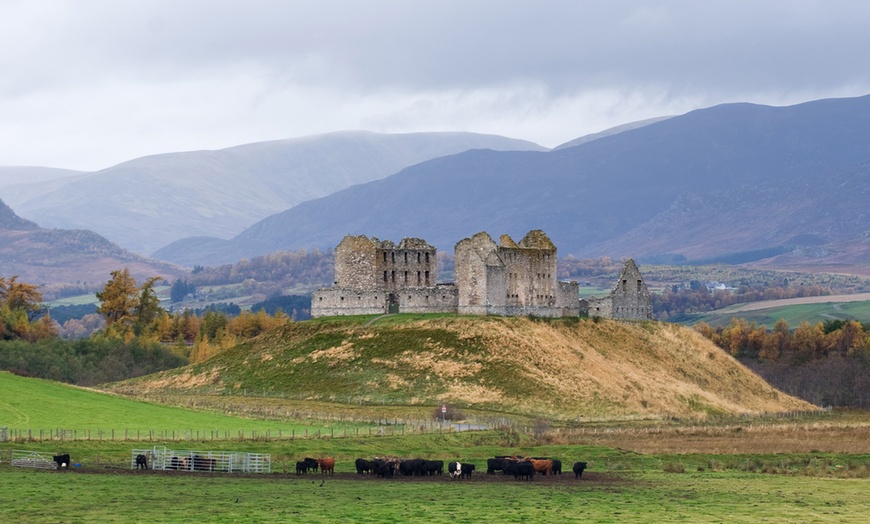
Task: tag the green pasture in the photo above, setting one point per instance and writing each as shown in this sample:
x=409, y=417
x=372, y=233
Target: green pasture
x=618, y=487
x=794, y=315
x=28, y=403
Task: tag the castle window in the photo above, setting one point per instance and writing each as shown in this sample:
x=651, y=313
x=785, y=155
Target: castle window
x=624, y=285
x=418, y=257
x=393, y=276
x=341, y=298
x=418, y=277
x=385, y=256
x=639, y=283
x=427, y=258
x=406, y=257
x=406, y=277
x=385, y=273
x=427, y=276
x=393, y=256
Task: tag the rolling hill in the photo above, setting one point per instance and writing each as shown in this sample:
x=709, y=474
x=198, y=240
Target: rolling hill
x=149, y=202
x=735, y=182
x=560, y=369
x=40, y=256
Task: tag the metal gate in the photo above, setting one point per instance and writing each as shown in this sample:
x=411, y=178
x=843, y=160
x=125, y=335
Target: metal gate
x=33, y=459
x=161, y=458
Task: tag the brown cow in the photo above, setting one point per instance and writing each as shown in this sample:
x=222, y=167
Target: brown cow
x=327, y=464
x=544, y=467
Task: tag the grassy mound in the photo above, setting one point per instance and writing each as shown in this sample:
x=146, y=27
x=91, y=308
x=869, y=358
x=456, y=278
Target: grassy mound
x=557, y=369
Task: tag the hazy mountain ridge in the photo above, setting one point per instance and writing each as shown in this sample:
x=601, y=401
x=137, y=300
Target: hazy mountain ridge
x=614, y=196
x=148, y=202
x=39, y=255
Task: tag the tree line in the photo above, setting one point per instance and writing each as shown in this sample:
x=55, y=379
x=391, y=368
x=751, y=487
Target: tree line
x=827, y=363
x=135, y=335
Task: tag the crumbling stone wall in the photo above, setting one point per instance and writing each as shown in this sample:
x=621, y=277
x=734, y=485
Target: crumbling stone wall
x=629, y=299
x=508, y=278
x=511, y=278
x=371, y=276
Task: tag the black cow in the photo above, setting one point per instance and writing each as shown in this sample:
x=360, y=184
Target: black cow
x=141, y=462
x=305, y=464
x=432, y=467
x=385, y=468
x=204, y=463
x=364, y=466
x=557, y=467
x=466, y=470
x=411, y=467
x=578, y=469
x=174, y=463
x=62, y=460
x=520, y=470
x=494, y=464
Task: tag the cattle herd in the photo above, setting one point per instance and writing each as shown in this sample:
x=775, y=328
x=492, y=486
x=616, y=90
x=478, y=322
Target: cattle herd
x=521, y=468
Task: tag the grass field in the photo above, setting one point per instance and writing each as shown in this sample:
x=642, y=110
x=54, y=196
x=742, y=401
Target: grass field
x=42, y=404
x=793, y=314
x=619, y=486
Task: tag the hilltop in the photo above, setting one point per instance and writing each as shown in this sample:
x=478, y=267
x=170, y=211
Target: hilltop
x=556, y=369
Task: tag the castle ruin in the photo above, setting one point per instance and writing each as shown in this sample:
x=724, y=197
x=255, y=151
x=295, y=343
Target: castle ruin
x=508, y=279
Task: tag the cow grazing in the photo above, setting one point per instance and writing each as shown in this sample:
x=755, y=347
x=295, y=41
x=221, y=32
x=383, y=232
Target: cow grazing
x=312, y=463
x=578, y=469
x=557, y=467
x=385, y=468
x=364, y=466
x=301, y=467
x=466, y=470
x=411, y=467
x=519, y=469
x=494, y=464
x=432, y=467
x=62, y=461
x=141, y=462
x=544, y=467
x=327, y=465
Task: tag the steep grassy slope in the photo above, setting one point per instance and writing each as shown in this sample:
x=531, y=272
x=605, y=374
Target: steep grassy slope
x=565, y=368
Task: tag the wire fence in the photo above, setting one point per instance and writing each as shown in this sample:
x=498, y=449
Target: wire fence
x=394, y=428
x=381, y=427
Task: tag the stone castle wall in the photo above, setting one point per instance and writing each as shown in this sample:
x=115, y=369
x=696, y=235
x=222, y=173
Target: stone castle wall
x=508, y=278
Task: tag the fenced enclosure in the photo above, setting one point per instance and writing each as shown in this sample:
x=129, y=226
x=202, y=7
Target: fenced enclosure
x=4, y=434
x=32, y=459
x=162, y=458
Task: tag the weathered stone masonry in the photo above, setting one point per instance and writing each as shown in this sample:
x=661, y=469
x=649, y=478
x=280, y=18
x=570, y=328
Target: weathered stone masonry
x=509, y=279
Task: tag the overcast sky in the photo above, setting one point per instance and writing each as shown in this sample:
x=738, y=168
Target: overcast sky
x=87, y=84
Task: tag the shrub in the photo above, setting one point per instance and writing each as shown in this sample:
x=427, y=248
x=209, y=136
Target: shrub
x=674, y=467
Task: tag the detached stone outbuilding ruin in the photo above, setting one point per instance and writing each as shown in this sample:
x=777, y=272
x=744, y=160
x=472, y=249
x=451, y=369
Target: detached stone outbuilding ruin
x=628, y=300
x=509, y=279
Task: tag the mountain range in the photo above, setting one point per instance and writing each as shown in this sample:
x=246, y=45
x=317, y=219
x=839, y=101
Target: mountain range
x=148, y=202
x=736, y=182
x=777, y=186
